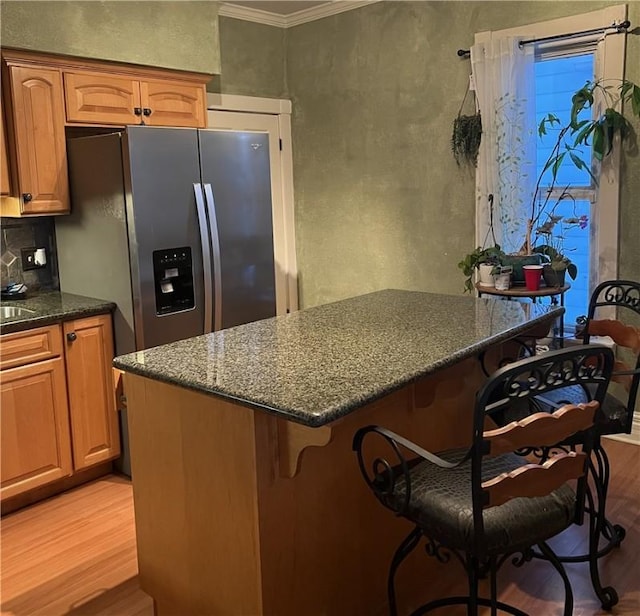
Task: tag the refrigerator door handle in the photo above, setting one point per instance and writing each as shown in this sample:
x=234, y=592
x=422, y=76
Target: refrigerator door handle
x=206, y=256
x=217, y=267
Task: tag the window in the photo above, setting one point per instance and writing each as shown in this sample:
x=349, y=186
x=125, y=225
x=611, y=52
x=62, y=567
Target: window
x=556, y=79
x=561, y=66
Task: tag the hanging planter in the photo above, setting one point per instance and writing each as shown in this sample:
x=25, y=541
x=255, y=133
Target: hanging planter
x=465, y=139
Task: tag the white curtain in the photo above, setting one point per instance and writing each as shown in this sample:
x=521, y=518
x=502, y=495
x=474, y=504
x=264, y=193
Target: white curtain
x=503, y=72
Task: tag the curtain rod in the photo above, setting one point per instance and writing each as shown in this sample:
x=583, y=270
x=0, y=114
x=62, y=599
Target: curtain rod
x=619, y=29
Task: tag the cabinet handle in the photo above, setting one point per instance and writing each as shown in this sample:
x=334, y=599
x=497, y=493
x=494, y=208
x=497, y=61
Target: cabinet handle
x=146, y=111
x=26, y=197
x=137, y=111
x=71, y=336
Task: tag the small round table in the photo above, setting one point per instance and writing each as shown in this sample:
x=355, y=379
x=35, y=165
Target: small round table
x=543, y=291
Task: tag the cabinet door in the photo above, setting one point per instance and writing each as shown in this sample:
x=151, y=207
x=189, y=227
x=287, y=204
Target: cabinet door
x=39, y=140
x=5, y=180
x=96, y=98
x=168, y=103
x=34, y=426
x=94, y=423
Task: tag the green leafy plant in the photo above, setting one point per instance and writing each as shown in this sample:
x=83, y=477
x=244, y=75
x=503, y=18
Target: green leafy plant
x=465, y=139
x=558, y=261
x=492, y=255
x=543, y=228
x=599, y=133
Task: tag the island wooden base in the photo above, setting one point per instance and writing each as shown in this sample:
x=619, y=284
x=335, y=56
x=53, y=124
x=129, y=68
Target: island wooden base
x=236, y=515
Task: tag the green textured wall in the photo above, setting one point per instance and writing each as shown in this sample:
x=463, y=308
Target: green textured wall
x=176, y=35
x=252, y=59
x=379, y=200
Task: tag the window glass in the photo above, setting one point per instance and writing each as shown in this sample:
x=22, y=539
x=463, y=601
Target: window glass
x=556, y=81
x=557, y=78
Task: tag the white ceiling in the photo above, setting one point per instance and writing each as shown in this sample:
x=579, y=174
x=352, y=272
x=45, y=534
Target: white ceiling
x=283, y=7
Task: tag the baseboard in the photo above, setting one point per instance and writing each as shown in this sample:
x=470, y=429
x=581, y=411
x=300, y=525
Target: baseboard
x=632, y=439
x=56, y=487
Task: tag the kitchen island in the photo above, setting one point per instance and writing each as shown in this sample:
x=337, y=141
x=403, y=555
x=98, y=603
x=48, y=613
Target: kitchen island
x=248, y=499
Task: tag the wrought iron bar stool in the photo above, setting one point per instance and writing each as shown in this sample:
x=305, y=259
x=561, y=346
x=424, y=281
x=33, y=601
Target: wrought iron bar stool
x=491, y=501
x=616, y=417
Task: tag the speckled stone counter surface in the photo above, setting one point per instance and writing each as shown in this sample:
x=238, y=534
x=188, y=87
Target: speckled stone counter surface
x=49, y=307
x=319, y=364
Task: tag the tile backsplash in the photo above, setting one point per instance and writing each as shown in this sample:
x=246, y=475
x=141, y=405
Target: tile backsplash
x=28, y=233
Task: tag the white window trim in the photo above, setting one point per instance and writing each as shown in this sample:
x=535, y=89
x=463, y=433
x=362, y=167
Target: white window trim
x=610, y=59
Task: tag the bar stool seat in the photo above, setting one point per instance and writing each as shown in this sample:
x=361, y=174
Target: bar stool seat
x=496, y=500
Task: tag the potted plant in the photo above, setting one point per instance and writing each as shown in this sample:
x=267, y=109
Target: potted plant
x=556, y=266
x=598, y=132
x=465, y=138
x=466, y=135
x=544, y=228
x=490, y=257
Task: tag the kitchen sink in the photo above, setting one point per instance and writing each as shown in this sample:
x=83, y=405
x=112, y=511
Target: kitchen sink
x=8, y=312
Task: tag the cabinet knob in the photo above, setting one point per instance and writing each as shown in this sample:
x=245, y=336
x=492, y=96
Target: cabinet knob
x=146, y=111
x=137, y=111
x=71, y=336
x=26, y=197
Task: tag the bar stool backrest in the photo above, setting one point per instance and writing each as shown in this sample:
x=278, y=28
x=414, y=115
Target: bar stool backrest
x=624, y=295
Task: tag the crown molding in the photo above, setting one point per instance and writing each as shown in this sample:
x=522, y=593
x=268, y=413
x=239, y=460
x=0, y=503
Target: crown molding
x=235, y=11
x=334, y=7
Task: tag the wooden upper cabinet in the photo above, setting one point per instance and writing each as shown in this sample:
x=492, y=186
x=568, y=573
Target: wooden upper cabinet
x=92, y=411
x=100, y=98
x=5, y=178
x=167, y=103
x=39, y=140
x=93, y=98
x=44, y=94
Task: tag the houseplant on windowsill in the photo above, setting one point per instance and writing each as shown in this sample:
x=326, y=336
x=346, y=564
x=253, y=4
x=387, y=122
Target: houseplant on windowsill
x=491, y=256
x=557, y=264
x=601, y=133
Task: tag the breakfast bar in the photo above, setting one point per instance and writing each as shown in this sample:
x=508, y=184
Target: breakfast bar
x=248, y=499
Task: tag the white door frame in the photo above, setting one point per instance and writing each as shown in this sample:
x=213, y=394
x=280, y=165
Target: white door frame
x=282, y=109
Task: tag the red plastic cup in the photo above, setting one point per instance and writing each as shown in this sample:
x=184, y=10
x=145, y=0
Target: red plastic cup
x=532, y=275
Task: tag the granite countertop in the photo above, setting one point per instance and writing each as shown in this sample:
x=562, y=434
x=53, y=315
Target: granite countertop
x=47, y=307
x=319, y=364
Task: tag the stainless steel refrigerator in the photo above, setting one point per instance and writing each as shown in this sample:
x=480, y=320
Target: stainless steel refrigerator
x=173, y=225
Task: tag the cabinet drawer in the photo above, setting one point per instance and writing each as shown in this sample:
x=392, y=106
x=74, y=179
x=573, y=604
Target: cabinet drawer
x=29, y=346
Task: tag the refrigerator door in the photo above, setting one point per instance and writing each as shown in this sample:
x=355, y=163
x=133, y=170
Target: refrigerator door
x=235, y=165
x=161, y=167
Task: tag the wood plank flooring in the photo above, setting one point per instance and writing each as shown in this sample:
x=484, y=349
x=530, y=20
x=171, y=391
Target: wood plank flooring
x=76, y=554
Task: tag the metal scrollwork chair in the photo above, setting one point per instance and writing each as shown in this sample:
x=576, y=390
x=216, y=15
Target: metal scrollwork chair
x=489, y=502
x=616, y=415
x=624, y=295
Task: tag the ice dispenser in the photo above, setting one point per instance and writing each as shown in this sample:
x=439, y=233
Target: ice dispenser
x=173, y=280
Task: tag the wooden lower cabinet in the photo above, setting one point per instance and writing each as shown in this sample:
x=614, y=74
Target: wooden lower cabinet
x=57, y=415
x=34, y=420
x=92, y=413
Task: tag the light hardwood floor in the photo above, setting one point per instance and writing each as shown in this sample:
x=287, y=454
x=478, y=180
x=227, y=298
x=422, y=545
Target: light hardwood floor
x=76, y=554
